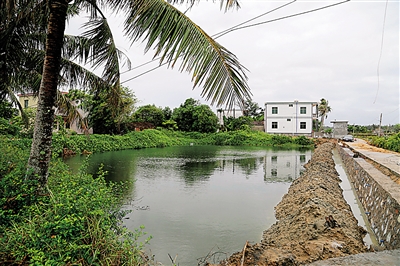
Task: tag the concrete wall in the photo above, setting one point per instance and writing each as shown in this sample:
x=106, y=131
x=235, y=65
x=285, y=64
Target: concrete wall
x=378, y=197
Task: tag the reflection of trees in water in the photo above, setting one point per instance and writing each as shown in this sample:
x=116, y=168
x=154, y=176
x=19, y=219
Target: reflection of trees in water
x=248, y=166
x=196, y=171
x=109, y=165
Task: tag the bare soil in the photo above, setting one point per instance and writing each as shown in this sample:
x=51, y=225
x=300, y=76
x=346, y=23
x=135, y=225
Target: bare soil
x=368, y=147
x=304, y=232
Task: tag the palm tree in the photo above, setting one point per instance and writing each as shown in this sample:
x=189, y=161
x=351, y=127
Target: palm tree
x=173, y=35
x=323, y=110
x=23, y=38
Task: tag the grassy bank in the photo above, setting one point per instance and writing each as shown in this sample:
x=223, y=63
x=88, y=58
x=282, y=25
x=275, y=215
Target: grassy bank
x=79, y=221
x=156, y=139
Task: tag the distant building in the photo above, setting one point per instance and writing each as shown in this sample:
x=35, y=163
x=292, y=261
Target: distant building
x=30, y=100
x=339, y=128
x=291, y=118
x=27, y=100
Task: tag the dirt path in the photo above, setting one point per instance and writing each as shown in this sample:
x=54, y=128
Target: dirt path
x=304, y=232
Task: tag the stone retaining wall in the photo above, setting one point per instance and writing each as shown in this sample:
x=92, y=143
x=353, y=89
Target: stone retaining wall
x=378, y=196
x=314, y=221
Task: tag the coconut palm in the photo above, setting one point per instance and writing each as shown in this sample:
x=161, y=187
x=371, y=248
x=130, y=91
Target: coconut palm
x=323, y=110
x=22, y=55
x=174, y=36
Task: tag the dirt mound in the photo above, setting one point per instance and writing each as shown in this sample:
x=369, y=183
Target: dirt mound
x=314, y=221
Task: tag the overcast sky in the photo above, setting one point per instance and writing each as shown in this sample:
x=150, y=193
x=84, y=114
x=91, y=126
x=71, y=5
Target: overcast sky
x=334, y=53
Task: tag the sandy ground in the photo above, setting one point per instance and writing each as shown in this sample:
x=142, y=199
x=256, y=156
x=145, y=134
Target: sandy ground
x=388, y=162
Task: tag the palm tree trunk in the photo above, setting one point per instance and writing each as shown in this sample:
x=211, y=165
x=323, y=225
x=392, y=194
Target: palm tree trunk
x=39, y=159
x=322, y=123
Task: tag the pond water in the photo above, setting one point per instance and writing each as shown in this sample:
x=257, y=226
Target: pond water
x=200, y=200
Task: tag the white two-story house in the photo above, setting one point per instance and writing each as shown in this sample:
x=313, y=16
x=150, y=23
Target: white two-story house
x=291, y=118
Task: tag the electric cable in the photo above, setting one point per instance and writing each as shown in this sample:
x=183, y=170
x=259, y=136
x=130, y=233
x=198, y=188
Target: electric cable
x=238, y=28
x=380, y=54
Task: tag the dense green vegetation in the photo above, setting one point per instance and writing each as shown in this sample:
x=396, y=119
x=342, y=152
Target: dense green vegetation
x=152, y=138
x=78, y=222
x=391, y=142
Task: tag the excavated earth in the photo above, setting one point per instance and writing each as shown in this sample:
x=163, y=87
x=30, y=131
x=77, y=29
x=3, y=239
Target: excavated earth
x=304, y=233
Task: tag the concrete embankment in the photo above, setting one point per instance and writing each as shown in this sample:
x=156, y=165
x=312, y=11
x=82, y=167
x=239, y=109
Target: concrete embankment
x=377, y=190
x=314, y=221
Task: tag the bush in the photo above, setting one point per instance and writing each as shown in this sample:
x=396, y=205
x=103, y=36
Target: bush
x=7, y=128
x=303, y=141
x=390, y=143
x=79, y=222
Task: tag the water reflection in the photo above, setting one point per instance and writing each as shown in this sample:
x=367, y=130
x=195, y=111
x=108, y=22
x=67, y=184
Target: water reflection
x=201, y=197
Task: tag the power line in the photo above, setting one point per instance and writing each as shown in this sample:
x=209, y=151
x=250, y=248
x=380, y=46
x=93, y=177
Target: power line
x=215, y=36
x=290, y=16
x=222, y=33
x=218, y=35
x=380, y=54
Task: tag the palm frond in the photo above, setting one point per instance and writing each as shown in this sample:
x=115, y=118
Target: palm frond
x=223, y=3
x=174, y=36
x=75, y=75
x=103, y=49
x=81, y=49
x=71, y=111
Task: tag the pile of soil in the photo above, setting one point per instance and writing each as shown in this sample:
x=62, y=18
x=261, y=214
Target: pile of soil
x=314, y=221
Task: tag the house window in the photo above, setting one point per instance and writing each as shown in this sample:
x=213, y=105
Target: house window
x=274, y=172
x=26, y=103
x=303, y=110
x=288, y=119
x=274, y=110
x=274, y=124
x=290, y=105
x=302, y=158
x=303, y=125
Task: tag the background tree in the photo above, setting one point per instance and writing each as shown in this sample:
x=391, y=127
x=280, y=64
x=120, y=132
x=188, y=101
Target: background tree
x=183, y=115
x=205, y=120
x=193, y=116
x=150, y=114
x=241, y=122
x=107, y=117
x=167, y=113
x=252, y=109
x=323, y=110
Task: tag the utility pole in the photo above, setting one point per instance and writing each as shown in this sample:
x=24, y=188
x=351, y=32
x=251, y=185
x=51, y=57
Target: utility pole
x=380, y=124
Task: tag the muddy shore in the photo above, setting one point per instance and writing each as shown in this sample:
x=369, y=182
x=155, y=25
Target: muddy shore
x=314, y=221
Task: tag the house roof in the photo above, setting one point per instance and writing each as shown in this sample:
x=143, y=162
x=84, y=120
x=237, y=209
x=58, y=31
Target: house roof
x=292, y=102
x=339, y=121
